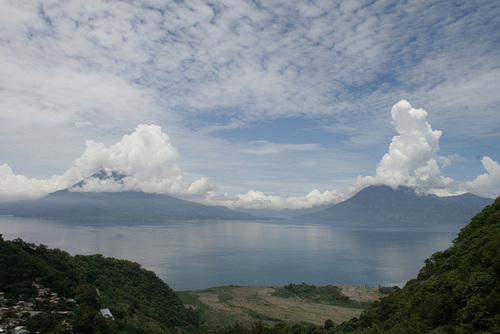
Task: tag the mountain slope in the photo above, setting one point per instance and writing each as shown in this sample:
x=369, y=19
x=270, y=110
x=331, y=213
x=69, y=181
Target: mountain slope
x=118, y=205
x=457, y=291
x=139, y=301
x=382, y=204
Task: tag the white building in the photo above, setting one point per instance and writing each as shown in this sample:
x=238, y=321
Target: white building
x=106, y=313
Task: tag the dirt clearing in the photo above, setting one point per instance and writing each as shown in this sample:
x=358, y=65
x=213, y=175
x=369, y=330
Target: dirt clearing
x=224, y=306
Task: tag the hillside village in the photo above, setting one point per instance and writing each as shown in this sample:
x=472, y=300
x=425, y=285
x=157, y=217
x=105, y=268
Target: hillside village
x=16, y=312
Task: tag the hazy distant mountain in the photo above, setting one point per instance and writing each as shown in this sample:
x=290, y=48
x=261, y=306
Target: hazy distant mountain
x=117, y=205
x=284, y=213
x=382, y=204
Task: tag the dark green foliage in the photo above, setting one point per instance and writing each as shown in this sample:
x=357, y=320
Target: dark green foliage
x=457, y=291
x=47, y=323
x=198, y=313
x=329, y=324
x=138, y=299
x=388, y=289
x=280, y=328
x=328, y=294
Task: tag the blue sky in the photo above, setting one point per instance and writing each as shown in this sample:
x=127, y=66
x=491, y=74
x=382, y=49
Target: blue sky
x=250, y=103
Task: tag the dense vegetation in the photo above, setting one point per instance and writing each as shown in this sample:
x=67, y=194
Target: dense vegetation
x=139, y=301
x=328, y=294
x=457, y=291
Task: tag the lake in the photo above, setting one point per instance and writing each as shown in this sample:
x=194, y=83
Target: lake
x=192, y=255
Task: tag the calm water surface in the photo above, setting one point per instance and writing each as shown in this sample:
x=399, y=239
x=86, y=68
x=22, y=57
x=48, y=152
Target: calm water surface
x=199, y=254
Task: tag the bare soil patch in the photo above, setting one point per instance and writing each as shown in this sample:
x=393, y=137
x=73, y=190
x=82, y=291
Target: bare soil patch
x=361, y=293
x=225, y=306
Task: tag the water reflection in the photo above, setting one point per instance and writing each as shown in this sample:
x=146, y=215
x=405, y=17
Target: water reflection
x=200, y=254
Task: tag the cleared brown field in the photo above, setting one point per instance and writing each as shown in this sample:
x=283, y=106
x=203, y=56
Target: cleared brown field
x=223, y=306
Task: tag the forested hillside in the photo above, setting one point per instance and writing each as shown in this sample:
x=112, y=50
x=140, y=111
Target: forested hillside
x=457, y=291
x=64, y=294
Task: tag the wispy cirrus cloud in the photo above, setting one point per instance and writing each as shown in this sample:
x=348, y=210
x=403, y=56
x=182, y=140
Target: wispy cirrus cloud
x=271, y=60
x=264, y=147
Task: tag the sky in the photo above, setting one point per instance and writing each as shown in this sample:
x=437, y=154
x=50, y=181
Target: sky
x=255, y=104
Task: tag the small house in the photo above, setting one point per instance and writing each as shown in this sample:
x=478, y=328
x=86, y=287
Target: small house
x=21, y=330
x=106, y=313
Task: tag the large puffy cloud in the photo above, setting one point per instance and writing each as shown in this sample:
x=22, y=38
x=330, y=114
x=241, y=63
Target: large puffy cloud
x=15, y=187
x=144, y=152
x=486, y=180
x=412, y=159
x=141, y=161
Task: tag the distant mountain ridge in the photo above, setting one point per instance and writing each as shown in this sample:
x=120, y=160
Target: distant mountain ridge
x=374, y=204
x=117, y=205
x=382, y=204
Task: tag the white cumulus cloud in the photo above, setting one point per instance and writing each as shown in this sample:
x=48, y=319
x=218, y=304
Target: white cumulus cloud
x=15, y=187
x=143, y=161
x=259, y=200
x=412, y=159
x=486, y=180
x=144, y=152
